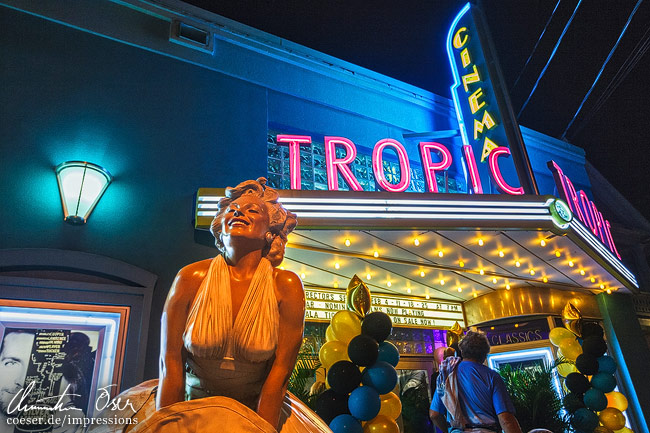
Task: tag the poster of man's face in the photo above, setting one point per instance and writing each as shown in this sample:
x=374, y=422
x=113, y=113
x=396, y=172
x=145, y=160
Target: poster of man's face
x=49, y=368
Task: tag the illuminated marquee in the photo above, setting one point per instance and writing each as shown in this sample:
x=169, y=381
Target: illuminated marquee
x=322, y=304
x=476, y=108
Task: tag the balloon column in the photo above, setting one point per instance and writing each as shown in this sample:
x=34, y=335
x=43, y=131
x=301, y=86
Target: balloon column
x=588, y=376
x=360, y=368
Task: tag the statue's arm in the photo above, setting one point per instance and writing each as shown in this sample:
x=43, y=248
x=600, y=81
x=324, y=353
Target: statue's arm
x=171, y=381
x=292, y=314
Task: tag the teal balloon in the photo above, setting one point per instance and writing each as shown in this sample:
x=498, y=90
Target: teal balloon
x=595, y=399
x=604, y=382
x=381, y=376
x=585, y=420
x=364, y=403
x=346, y=424
x=388, y=353
x=606, y=364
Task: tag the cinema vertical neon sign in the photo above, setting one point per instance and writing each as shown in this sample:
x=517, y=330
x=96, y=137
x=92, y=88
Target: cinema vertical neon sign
x=477, y=110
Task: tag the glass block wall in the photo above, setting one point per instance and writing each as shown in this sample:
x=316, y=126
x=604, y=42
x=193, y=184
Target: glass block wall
x=314, y=174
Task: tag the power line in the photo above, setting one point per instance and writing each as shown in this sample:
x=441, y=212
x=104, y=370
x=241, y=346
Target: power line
x=557, y=44
x=536, y=44
x=609, y=56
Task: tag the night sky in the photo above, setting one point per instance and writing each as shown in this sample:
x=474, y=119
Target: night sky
x=406, y=40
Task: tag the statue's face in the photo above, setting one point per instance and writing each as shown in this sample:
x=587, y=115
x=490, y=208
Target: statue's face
x=246, y=217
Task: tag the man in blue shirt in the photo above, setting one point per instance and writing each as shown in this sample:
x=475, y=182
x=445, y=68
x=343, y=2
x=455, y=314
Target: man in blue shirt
x=474, y=396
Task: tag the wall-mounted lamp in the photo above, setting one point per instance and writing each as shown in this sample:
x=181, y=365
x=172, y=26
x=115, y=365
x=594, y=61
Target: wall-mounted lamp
x=81, y=185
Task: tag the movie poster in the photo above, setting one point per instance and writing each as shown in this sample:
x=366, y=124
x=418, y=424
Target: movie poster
x=46, y=378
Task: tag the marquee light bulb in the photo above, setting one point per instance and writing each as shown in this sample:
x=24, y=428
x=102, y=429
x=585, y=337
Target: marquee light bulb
x=442, y=282
x=532, y=272
x=336, y=285
x=388, y=283
x=368, y=276
x=474, y=294
x=347, y=242
x=376, y=254
x=337, y=265
x=408, y=290
x=582, y=271
x=422, y=274
x=545, y=279
x=517, y=263
x=501, y=253
x=440, y=254
x=609, y=291
x=416, y=242
x=571, y=264
x=542, y=243
x=461, y=264
x=302, y=275
x=427, y=296
x=494, y=280
x=507, y=286
x=482, y=272
x=602, y=286
x=557, y=253
x=480, y=242
x=592, y=279
x=460, y=289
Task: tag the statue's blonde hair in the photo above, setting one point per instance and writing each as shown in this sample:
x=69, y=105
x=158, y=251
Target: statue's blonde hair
x=281, y=221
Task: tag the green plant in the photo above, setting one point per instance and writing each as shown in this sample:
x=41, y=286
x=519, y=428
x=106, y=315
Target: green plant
x=307, y=363
x=537, y=403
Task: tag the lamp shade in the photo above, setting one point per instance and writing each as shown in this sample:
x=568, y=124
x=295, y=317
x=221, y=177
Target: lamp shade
x=81, y=185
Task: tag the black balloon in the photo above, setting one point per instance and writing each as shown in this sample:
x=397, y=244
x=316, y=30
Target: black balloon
x=577, y=383
x=344, y=376
x=587, y=364
x=377, y=325
x=330, y=404
x=363, y=350
x=591, y=329
x=573, y=402
x=594, y=346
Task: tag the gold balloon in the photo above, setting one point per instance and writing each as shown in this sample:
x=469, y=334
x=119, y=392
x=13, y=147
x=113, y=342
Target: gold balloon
x=346, y=325
x=565, y=369
x=381, y=424
x=570, y=348
x=331, y=352
x=572, y=319
x=617, y=400
x=612, y=418
x=452, y=338
x=456, y=329
x=391, y=406
x=329, y=334
x=625, y=430
x=317, y=387
x=602, y=429
x=557, y=334
x=357, y=297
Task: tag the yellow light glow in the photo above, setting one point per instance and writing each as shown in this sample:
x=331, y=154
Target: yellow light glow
x=517, y=263
x=480, y=242
x=408, y=290
x=347, y=242
x=336, y=285
x=602, y=286
x=460, y=289
x=532, y=272
x=368, y=276
x=422, y=274
x=557, y=253
x=442, y=282
x=376, y=254
x=542, y=243
x=545, y=279
x=571, y=264
x=482, y=272
x=516, y=325
x=388, y=283
x=592, y=279
x=427, y=296
x=416, y=242
x=302, y=275
x=582, y=271
x=492, y=328
x=337, y=265
x=494, y=280
x=507, y=286
x=501, y=253
x=440, y=254
x=609, y=291
x=282, y=267
x=461, y=264
x=474, y=294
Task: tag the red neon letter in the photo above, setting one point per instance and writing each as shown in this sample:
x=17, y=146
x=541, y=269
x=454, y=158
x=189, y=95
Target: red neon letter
x=404, y=166
x=587, y=211
x=610, y=239
x=473, y=170
x=496, y=171
x=332, y=164
x=294, y=142
x=600, y=222
x=429, y=167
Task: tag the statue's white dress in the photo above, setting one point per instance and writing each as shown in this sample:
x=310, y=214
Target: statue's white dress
x=227, y=364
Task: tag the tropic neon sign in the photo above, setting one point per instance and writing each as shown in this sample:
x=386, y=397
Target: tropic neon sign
x=430, y=165
x=583, y=208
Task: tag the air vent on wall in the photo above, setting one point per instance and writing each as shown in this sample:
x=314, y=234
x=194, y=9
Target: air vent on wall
x=191, y=36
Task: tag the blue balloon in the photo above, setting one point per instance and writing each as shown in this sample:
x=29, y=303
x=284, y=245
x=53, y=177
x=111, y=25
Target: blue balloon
x=346, y=424
x=606, y=364
x=585, y=420
x=381, y=376
x=388, y=353
x=595, y=399
x=604, y=382
x=364, y=403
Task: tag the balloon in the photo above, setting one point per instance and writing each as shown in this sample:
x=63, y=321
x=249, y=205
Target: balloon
x=570, y=348
x=389, y=353
x=331, y=352
x=346, y=424
x=330, y=404
x=572, y=319
x=594, y=346
x=604, y=382
x=381, y=424
x=577, y=383
x=612, y=418
x=617, y=400
x=595, y=399
x=606, y=364
x=572, y=402
x=391, y=406
x=343, y=377
x=438, y=355
x=364, y=403
x=591, y=328
x=558, y=334
x=363, y=350
x=602, y=429
x=565, y=369
x=381, y=376
x=357, y=296
x=587, y=364
x=625, y=430
x=317, y=387
x=377, y=325
x=584, y=419
x=452, y=339
x=346, y=325
x=329, y=334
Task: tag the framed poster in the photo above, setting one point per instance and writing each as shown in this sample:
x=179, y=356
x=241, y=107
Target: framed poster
x=57, y=360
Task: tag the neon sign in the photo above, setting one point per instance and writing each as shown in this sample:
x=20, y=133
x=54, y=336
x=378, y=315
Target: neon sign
x=477, y=110
x=583, y=208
